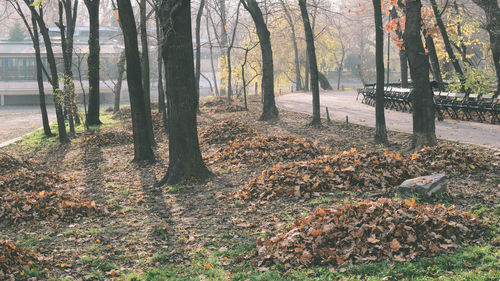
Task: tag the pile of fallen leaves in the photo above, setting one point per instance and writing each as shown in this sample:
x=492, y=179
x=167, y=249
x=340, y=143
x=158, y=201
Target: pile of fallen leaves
x=28, y=194
x=266, y=149
x=448, y=159
x=9, y=163
x=352, y=170
x=221, y=105
x=370, y=231
x=225, y=131
x=14, y=260
x=109, y=138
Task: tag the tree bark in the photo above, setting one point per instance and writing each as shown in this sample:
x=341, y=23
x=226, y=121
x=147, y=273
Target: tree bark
x=380, y=128
x=142, y=143
x=93, y=63
x=162, y=108
x=146, y=83
x=431, y=48
x=313, y=65
x=117, y=90
x=61, y=125
x=229, y=48
x=214, y=74
x=422, y=97
x=492, y=11
x=269, y=110
x=293, y=37
x=185, y=161
x=198, y=52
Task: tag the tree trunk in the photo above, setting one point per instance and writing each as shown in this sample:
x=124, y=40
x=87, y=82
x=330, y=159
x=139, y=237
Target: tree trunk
x=446, y=40
x=403, y=62
x=93, y=62
x=162, y=108
x=142, y=142
x=185, y=161
x=436, y=70
x=380, y=128
x=117, y=90
x=341, y=67
x=293, y=37
x=214, y=74
x=311, y=52
x=229, y=48
x=422, y=97
x=269, y=111
x=198, y=52
x=146, y=83
x=61, y=125
x=492, y=11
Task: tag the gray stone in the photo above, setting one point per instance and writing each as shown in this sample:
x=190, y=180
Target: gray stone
x=426, y=185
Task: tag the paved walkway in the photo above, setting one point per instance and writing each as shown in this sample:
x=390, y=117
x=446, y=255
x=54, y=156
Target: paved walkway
x=342, y=104
x=16, y=121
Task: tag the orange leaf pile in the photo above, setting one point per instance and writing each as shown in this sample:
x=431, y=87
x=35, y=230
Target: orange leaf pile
x=448, y=159
x=221, y=105
x=352, y=170
x=370, y=231
x=32, y=194
x=266, y=149
x=13, y=260
x=225, y=131
x=109, y=138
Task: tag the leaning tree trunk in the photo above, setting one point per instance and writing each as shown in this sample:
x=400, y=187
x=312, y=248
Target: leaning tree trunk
x=492, y=11
x=269, y=111
x=446, y=41
x=293, y=37
x=146, y=83
x=61, y=125
x=185, y=161
x=93, y=63
x=142, y=142
x=313, y=65
x=423, y=107
x=436, y=70
x=381, y=130
x=198, y=52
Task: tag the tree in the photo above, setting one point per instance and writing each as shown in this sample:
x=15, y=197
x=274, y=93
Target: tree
x=17, y=34
x=492, y=12
x=185, y=161
x=293, y=37
x=33, y=33
x=313, y=66
x=145, y=68
x=142, y=143
x=199, y=14
x=380, y=129
x=228, y=55
x=93, y=62
x=269, y=110
x=37, y=13
x=117, y=89
x=423, y=107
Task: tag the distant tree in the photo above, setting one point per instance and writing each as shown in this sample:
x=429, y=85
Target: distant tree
x=199, y=14
x=269, y=111
x=380, y=128
x=17, y=33
x=93, y=62
x=293, y=37
x=142, y=143
x=424, y=126
x=185, y=161
x=313, y=65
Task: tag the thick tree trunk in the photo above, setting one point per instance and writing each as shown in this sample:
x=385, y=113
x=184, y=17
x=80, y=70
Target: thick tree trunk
x=269, y=111
x=61, y=126
x=198, y=52
x=93, y=62
x=431, y=48
x=146, y=83
x=142, y=142
x=311, y=52
x=185, y=161
x=162, y=108
x=39, y=79
x=117, y=90
x=492, y=11
x=380, y=128
x=446, y=39
x=293, y=37
x=422, y=97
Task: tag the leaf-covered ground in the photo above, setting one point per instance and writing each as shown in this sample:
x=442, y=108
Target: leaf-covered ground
x=205, y=231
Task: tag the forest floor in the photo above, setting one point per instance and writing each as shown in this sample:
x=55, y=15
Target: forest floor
x=205, y=231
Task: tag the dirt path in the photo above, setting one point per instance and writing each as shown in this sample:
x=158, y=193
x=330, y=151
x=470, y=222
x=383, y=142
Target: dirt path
x=342, y=104
x=16, y=121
